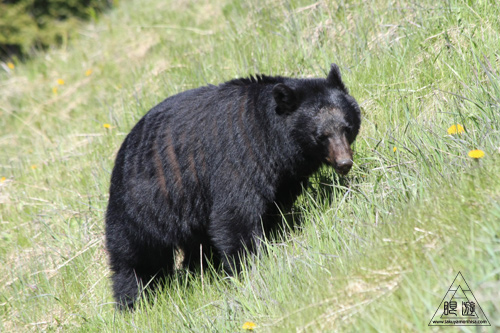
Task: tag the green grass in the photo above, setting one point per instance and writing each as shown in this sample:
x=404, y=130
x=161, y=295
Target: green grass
x=376, y=251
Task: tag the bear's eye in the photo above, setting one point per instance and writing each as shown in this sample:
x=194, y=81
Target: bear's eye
x=347, y=129
x=349, y=134
x=323, y=137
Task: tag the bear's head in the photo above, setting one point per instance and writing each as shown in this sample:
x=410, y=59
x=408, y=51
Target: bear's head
x=323, y=117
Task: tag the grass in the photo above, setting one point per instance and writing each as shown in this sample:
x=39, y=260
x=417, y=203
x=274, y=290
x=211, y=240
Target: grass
x=376, y=251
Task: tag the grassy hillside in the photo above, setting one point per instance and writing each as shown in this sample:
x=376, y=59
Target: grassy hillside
x=376, y=251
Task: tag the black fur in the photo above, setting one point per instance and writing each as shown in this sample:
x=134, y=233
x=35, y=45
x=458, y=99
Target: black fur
x=210, y=166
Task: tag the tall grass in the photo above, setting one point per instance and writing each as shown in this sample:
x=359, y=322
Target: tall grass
x=375, y=251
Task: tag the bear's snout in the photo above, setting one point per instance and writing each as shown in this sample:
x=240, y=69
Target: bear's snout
x=339, y=155
x=343, y=166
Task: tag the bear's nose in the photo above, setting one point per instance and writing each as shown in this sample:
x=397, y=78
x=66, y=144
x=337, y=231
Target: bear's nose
x=343, y=166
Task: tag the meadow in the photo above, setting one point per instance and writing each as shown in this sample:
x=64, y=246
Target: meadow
x=376, y=250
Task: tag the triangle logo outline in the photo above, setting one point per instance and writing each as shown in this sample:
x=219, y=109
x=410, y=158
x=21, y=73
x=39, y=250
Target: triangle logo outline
x=477, y=317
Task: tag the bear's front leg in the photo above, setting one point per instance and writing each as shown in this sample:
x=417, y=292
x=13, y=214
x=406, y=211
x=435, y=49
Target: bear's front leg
x=233, y=231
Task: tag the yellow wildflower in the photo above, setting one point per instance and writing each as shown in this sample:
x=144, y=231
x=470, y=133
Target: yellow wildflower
x=477, y=153
x=248, y=326
x=60, y=82
x=108, y=126
x=2, y=179
x=394, y=149
x=10, y=65
x=88, y=72
x=33, y=166
x=456, y=129
x=54, y=90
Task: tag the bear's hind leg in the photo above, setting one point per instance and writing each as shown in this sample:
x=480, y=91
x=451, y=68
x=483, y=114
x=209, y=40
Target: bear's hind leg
x=126, y=286
x=150, y=271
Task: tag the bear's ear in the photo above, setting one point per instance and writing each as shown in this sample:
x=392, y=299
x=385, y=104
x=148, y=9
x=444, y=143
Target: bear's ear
x=286, y=100
x=334, y=79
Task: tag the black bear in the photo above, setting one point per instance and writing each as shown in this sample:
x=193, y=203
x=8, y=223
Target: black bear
x=212, y=167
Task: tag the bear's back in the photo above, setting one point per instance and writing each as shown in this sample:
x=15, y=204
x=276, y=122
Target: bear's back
x=195, y=148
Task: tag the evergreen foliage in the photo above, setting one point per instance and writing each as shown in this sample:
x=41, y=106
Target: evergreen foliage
x=29, y=24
